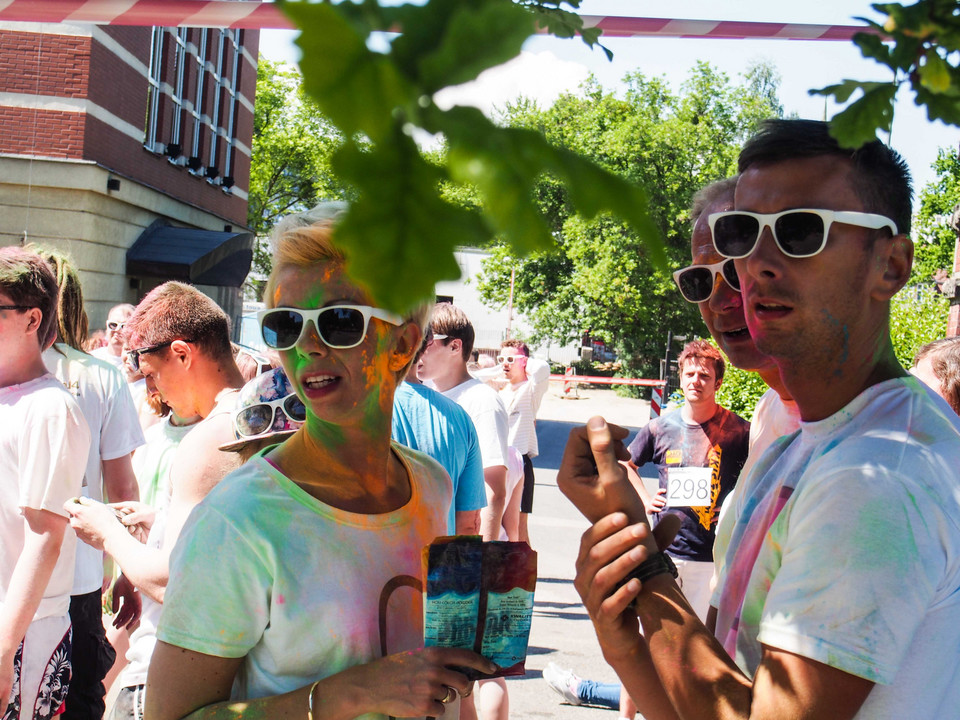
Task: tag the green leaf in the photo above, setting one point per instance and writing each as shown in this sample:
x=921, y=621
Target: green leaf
x=858, y=123
x=565, y=24
x=359, y=90
x=940, y=106
x=399, y=236
x=934, y=73
x=476, y=38
x=843, y=91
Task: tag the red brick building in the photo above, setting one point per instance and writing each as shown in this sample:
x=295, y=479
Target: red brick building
x=129, y=148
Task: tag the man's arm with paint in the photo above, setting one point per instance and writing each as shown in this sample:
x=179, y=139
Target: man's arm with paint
x=699, y=678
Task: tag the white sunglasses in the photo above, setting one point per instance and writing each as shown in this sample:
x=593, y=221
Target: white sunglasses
x=798, y=233
x=339, y=326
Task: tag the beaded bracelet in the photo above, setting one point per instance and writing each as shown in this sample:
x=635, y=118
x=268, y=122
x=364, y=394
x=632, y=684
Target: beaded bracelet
x=310, y=700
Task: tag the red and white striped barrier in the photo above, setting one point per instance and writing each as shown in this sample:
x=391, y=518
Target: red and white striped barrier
x=656, y=402
x=253, y=14
x=570, y=378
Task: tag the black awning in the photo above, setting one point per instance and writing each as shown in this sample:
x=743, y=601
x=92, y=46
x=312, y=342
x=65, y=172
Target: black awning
x=201, y=257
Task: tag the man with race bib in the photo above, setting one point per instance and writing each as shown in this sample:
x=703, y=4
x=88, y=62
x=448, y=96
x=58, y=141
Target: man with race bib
x=699, y=451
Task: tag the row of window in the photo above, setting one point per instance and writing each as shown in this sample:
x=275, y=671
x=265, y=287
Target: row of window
x=194, y=99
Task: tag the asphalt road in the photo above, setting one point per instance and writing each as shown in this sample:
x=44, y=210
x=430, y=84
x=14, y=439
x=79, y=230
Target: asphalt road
x=561, y=630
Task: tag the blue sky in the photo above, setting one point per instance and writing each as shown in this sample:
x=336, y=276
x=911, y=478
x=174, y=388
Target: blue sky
x=549, y=66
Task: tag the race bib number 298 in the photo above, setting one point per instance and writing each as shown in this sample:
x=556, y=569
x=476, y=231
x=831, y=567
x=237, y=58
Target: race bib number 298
x=688, y=487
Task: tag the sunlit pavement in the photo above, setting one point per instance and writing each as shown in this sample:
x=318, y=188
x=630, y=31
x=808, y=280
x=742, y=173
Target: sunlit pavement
x=561, y=630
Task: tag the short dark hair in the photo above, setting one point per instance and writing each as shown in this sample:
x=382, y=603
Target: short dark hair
x=27, y=280
x=177, y=311
x=944, y=357
x=882, y=177
x=449, y=320
x=702, y=351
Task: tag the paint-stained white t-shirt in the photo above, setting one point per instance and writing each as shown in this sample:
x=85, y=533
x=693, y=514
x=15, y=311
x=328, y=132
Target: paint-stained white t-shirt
x=846, y=550
x=266, y=572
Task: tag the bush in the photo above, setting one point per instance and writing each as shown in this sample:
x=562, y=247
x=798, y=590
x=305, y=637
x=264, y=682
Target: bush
x=918, y=315
x=740, y=391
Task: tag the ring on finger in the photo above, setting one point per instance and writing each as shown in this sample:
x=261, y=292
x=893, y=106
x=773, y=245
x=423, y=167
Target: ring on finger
x=450, y=696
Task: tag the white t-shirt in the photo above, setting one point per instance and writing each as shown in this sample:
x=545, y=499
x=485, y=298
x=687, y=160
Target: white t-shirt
x=522, y=402
x=485, y=408
x=266, y=572
x=152, y=462
x=104, y=398
x=103, y=353
x=44, y=443
x=772, y=419
x=846, y=550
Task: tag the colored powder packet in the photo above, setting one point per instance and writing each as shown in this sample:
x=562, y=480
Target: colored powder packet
x=479, y=596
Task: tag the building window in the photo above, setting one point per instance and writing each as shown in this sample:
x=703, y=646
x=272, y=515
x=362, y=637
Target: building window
x=154, y=91
x=203, y=95
x=196, y=162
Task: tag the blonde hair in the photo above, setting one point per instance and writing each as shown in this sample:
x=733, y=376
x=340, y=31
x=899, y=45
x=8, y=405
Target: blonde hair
x=306, y=238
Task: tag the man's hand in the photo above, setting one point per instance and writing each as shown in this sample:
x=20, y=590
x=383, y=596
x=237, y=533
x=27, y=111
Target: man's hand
x=126, y=603
x=609, y=551
x=591, y=476
x=93, y=521
x=137, y=516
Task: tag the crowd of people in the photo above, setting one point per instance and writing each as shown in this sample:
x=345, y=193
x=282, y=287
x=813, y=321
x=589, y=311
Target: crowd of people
x=257, y=519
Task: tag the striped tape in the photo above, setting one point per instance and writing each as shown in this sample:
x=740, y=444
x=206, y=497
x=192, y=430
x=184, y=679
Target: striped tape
x=265, y=15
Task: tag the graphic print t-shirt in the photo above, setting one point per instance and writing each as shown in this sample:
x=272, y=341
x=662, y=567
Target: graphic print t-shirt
x=720, y=444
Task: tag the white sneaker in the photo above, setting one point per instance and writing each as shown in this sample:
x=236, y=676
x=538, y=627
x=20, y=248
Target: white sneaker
x=563, y=682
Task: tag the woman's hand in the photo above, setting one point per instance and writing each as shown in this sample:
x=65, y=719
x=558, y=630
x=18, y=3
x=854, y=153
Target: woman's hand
x=410, y=684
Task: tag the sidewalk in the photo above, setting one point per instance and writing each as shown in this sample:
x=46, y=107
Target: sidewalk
x=628, y=412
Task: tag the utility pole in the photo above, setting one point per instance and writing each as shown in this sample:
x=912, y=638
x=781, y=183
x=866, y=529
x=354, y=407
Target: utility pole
x=513, y=276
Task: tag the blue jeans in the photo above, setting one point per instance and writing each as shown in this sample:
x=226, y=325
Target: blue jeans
x=601, y=694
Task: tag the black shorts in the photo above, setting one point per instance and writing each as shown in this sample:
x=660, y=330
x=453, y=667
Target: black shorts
x=526, y=499
x=93, y=656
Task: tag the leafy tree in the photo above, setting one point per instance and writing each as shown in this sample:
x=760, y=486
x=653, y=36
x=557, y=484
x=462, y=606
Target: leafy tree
x=923, y=56
x=402, y=226
x=600, y=278
x=399, y=224
x=935, y=239
x=290, y=166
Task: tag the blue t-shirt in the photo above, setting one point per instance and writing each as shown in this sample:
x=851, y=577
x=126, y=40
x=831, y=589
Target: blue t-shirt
x=721, y=444
x=425, y=420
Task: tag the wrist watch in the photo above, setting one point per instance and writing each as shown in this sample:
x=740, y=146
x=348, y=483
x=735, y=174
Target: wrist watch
x=657, y=564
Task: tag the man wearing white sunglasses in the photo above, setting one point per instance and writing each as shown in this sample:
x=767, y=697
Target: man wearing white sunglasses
x=839, y=595
x=527, y=381
x=112, y=351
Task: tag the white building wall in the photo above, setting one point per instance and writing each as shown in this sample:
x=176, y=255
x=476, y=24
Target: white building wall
x=491, y=325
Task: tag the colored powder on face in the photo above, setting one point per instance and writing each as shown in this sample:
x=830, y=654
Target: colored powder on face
x=281, y=599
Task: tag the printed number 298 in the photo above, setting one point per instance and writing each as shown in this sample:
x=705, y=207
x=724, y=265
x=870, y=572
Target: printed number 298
x=688, y=487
